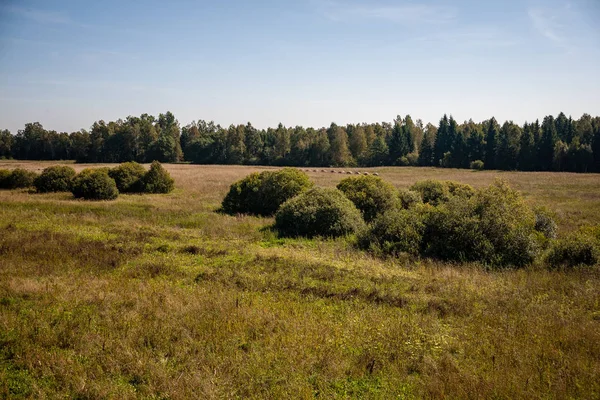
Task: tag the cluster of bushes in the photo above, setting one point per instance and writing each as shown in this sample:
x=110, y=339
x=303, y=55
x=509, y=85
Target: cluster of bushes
x=439, y=219
x=92, y=184
x=262, y=193
x=18, y=178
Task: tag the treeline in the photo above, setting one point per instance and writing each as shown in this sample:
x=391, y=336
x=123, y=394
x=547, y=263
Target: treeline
x=554, y=144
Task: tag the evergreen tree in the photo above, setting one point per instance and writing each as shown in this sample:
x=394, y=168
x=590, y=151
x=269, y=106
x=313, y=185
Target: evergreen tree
x=378, y=152
x=442, y=142
x=507, y=148
x=546, y=144
x=527, y=151
x=475, y=141
x=492, y=131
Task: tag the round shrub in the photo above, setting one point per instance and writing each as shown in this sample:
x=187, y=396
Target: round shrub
x=460, y=189
x=477, y=165
x=544, y=223
x=55, y=179
x=576, y=249
x=494, y=226
x=508, y=223
x=394, y=232
x=157, y=180
x=277, y=187
x=370, y=194
x=432, y=192
x=453, y=232
x=94, y=184
x=263, y=193
x=128, y=177
x=318, y=212
x=4, y=174
x=20, y=178
x=244, y=195
x=409, y=198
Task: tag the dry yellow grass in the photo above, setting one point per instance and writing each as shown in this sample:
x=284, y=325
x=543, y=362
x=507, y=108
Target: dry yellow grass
x=158, y=296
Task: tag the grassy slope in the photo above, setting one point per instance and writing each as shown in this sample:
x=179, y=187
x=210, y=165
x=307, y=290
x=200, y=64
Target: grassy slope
x=158, y=296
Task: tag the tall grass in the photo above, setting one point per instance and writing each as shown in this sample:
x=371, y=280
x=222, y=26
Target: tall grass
x=158, y=296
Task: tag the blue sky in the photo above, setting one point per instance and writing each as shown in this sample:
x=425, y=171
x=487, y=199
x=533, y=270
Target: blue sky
x=67, y=64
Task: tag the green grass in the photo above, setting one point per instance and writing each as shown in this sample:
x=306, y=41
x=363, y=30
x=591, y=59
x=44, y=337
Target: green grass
x=158, y=296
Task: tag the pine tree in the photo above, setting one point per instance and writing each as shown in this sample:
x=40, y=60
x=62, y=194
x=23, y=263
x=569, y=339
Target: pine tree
x=546, y=144
x=426, y=150
x=490, y=140
x=527, y=151
x=442, y=144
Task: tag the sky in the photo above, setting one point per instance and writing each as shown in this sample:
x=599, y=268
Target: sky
x=69, y=63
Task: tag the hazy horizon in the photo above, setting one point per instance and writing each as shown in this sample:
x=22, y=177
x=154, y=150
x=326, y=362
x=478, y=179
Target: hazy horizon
x=67, y=64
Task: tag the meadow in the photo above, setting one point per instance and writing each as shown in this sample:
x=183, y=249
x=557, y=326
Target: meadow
x=161, y=297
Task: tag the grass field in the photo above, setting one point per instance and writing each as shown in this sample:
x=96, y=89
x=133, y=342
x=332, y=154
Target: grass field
x=158, y=296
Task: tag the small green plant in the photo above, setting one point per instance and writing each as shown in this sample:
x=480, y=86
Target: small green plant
x=18, y=178
x=318, y=212
x=128, y=177
x=476, y=165
x=94, y=184
x=544, y=223
x=58, y=178
x=157, y=180
x=370, y=194
x=576, y=249
x=394, y=232
x=263, y=193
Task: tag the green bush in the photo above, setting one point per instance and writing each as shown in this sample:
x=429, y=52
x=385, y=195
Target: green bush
x=128, y=177
x=263, y=193
x=452, y=232
x=4, y=175
x=459, y=189
x=508, y=223
x=94, y=184
x=544, y=223
x=318, y=212
x=58, y=178
x=494, y=226
x=157, y=180
x=576, y=249
x=18, y=178
x=477, y=165
x=394, y=232
x=432, y=192
x=280, y=186
x=409, y=198
x=370, y=194
x=244, y=195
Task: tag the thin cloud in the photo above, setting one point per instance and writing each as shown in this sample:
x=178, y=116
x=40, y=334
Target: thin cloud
x=406, y=13
x=545, y=22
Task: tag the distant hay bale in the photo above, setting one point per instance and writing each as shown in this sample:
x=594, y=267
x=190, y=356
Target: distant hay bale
x=356, y=173
x=375, y=174
x=332, y=171
x=349, y=172
x=341, y=172
x=323, y=170
x=366, y=173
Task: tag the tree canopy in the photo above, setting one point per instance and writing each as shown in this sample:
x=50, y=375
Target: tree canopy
x=558, y=143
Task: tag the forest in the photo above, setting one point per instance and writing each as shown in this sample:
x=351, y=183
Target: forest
x=554, y=144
